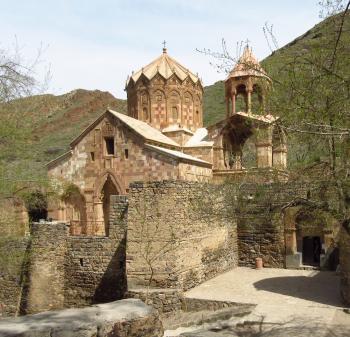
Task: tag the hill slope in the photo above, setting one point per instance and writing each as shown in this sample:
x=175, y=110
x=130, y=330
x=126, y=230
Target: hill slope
x=51, y=122
x=37, y=129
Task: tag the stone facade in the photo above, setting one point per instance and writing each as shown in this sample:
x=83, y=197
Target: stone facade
x=179, y=234
x=97, y=174
x=273, y=221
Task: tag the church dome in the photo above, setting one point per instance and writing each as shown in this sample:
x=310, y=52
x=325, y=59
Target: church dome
x=166, y=66
x=166, y=94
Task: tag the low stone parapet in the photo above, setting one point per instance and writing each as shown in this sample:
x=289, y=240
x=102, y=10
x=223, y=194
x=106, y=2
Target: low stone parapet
x=163, y=299
x=124, y=318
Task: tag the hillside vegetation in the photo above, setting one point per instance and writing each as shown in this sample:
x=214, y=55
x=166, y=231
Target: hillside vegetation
x=37, y=129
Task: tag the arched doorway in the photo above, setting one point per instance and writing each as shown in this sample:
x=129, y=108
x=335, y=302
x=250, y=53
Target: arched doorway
x=108, y=190
x=310, y=238
x=75, y=210
x=235, y=134
x=36, y=204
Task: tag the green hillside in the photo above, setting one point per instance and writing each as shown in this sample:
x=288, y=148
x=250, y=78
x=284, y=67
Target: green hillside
x=37, y=129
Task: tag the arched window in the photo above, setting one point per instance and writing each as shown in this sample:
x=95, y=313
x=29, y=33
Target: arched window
x=174, y=107
x=145, y=114
x=257, y=100
x=174, y=113
x=241, y=98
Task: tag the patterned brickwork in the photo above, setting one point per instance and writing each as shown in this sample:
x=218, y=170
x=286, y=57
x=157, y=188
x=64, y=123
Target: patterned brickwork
x=161, y=102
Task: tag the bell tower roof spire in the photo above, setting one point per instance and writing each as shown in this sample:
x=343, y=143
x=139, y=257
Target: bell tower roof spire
x=247, y=65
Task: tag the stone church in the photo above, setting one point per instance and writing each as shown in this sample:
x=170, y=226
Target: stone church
x=155, y=200
x=163, y=138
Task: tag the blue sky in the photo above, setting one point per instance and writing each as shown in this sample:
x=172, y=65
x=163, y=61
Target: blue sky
x=96, y=44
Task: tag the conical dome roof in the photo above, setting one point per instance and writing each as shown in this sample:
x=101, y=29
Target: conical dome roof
x=166, y=66
x=247, y=65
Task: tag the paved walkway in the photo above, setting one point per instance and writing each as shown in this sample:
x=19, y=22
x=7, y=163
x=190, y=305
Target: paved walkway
x=289, y=302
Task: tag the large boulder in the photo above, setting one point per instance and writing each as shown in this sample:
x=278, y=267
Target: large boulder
x=124, y=318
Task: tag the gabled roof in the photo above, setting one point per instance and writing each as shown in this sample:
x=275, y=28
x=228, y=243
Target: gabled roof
x=178, y=155
x=140, y=127
x=177, y=127
x=144, y=130
x=59, y=158
x=198, y=139
x=166, y=66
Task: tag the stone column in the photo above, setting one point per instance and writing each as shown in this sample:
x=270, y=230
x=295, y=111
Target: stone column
x=233, y=104
x=227, y=107
x=291, y=241
x=280, y=157
x=249, y=101
x=263, y=147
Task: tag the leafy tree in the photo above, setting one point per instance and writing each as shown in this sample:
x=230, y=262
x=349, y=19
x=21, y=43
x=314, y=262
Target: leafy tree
x=17, y=79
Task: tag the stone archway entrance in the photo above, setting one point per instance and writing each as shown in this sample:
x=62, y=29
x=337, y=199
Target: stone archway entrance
x=310, y=238
x=108, y=190
x=107, y=186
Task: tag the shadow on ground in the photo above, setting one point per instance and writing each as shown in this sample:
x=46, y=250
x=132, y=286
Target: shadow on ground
x=319, y=288
x=295, y=327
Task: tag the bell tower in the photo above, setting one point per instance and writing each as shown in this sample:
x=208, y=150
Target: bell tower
x=247, y=80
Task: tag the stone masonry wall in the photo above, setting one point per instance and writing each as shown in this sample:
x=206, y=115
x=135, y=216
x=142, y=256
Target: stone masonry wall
x=12, y=271
x=260, y=222
x=46, y=267
x=95, y=266
x=179, y=234
x=70, y=271
x=164, y=300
